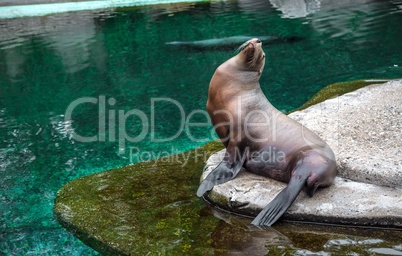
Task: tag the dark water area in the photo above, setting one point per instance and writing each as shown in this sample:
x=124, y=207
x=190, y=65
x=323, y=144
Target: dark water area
x=103, y=64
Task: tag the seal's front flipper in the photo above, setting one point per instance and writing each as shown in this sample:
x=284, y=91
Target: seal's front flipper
x=279, y=205
x=224, y=172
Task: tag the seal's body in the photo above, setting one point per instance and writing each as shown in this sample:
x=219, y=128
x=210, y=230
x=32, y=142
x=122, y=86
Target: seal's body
x=261, y=138
x=227, y=43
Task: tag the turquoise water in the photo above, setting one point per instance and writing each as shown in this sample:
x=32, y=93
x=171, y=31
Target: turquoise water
x=46, y=63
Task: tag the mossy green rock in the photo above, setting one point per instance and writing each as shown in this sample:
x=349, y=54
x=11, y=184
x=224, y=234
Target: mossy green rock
x=145, y=207
x=336, y=90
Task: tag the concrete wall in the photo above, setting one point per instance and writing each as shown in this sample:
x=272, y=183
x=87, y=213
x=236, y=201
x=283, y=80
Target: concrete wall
x=26, y=2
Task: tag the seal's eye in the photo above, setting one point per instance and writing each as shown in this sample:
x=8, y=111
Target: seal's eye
x=258, y=41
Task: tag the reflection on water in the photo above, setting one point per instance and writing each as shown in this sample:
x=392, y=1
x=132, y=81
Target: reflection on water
x=72, y=36
x=302, y=8
x=48, y=62
x=14, y=60
x=296, y=8
x=72, y=45
x=235, y=236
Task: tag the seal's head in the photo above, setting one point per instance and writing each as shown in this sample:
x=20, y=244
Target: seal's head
x=251, y=55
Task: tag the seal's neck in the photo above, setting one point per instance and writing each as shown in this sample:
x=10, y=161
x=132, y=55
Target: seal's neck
x=248, y=78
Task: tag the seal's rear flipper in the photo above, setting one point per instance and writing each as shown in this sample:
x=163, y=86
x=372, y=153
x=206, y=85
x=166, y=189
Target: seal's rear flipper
x=279, y=205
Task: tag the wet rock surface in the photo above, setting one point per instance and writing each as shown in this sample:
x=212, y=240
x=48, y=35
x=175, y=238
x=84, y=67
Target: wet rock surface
x=345, y=202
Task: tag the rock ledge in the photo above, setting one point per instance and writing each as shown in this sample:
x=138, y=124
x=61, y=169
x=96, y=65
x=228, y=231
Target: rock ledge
x=363, y=128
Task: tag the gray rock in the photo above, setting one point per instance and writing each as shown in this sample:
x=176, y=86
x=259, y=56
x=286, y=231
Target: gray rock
x=363, y=128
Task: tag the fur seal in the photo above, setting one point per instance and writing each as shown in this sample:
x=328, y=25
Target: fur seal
x=227, y=43
x=260, y=138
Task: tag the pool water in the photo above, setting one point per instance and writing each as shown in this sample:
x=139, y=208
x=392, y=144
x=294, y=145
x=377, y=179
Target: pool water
x=119, y=60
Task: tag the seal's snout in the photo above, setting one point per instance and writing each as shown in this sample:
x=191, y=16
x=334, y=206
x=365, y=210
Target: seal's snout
x=255, y=42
